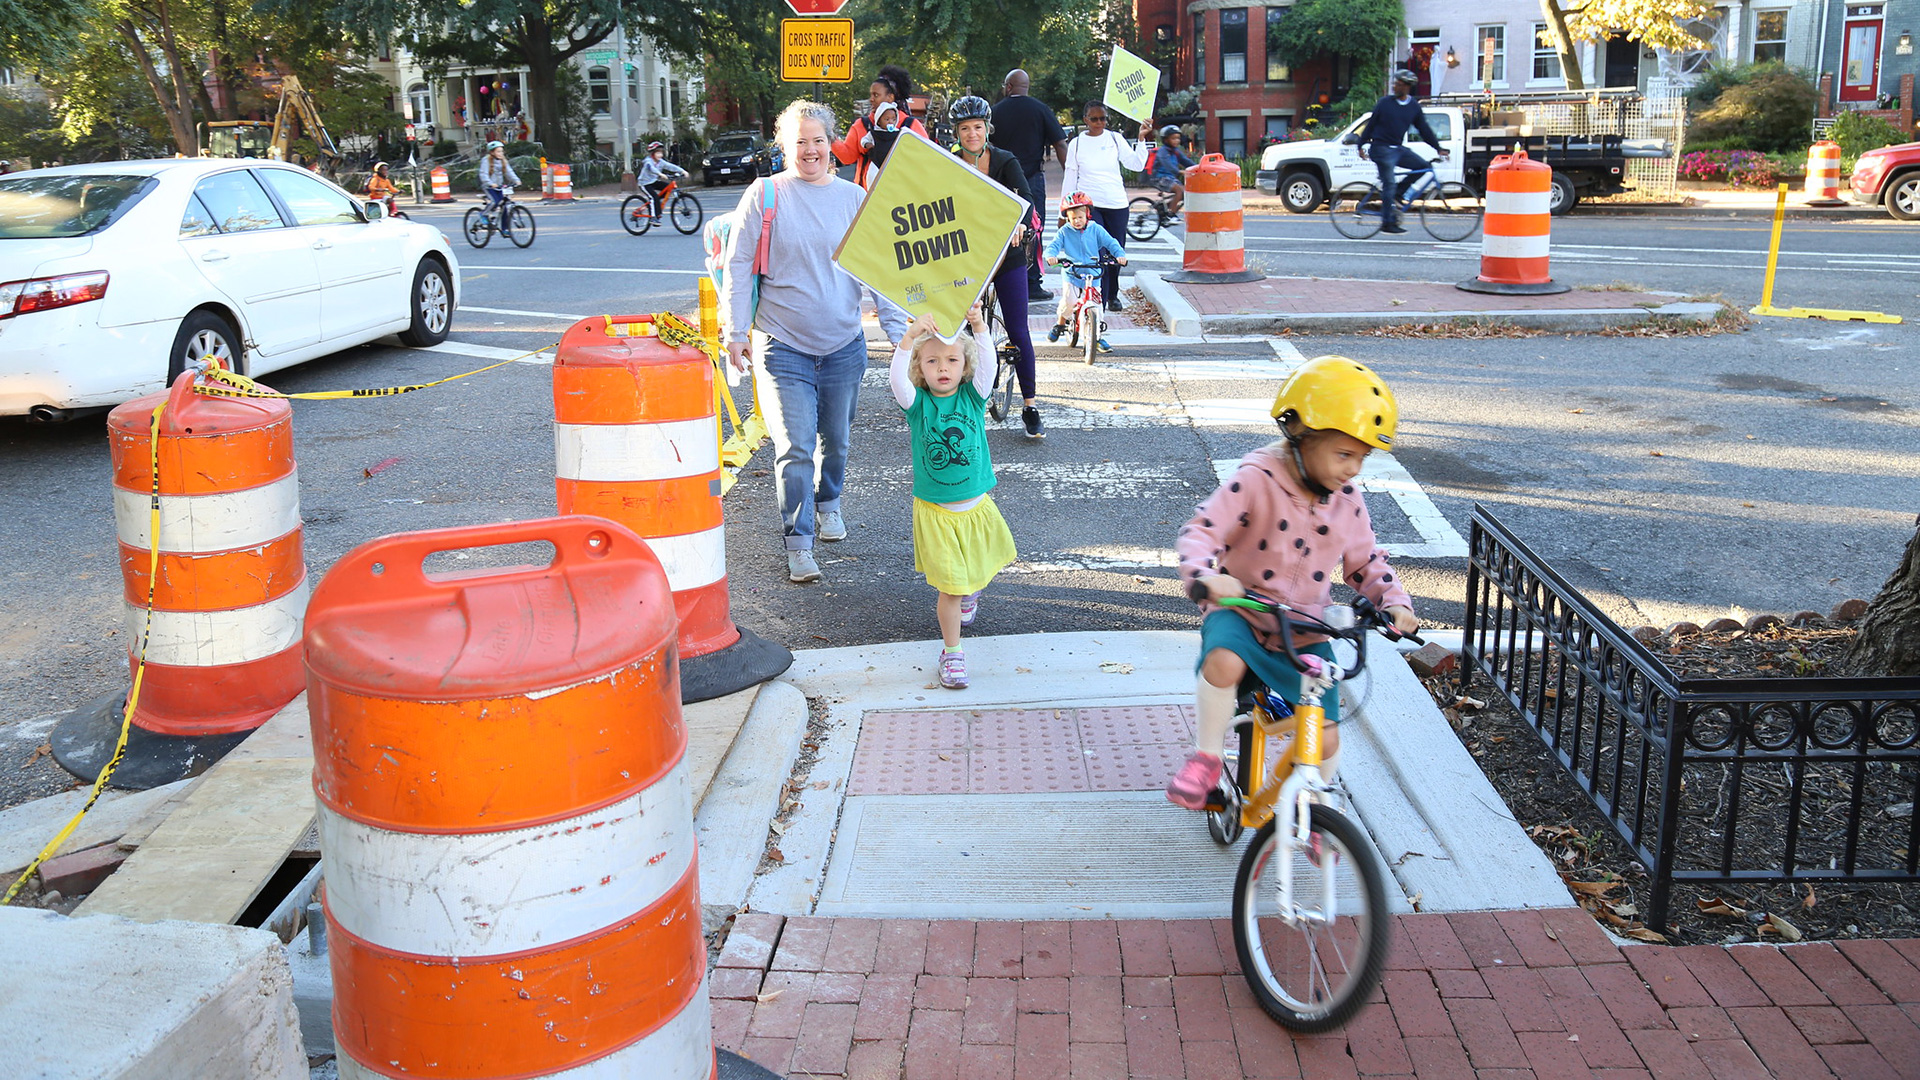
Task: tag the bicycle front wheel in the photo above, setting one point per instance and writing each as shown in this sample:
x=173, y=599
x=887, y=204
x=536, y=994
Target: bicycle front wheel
x=1143, y=218
x=1451, y=212
x=519, y=227
x=686, y=214
x=1356, y=211
x=636, y=214
x=477, y=227
x=1311, y=968
x=1090, y=331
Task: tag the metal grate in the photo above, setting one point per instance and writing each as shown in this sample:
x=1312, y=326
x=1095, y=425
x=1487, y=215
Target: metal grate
x=1708, y=781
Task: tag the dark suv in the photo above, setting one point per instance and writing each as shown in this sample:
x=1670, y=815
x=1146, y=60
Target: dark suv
x=740, y=154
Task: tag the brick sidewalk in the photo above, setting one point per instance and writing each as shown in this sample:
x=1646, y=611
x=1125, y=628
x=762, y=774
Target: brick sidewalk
x=1506, y=995
x=1304, y=296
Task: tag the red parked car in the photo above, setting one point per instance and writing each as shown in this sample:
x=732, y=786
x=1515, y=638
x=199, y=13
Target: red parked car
x=1890, y=177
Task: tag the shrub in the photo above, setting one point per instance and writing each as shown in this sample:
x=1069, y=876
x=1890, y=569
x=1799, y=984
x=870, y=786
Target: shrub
x=1741, y=168
x=1771, y=108
x=1858, y=134
x=1249, y=165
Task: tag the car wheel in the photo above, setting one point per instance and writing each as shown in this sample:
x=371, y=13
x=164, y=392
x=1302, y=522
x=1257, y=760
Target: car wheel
x=1562, y=195
x=1903, y=197
x=205, y=334
x=1302, y=192
x=431, y=305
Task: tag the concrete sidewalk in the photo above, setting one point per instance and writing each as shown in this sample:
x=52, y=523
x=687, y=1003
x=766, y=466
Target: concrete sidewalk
x=1688, y=203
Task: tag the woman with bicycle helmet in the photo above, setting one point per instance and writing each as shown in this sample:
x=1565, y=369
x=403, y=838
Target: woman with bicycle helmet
x=1287, y=524
x=972, y=120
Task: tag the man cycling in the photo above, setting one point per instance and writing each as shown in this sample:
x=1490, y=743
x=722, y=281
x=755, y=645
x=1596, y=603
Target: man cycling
x=496, y=174
x=656, y=172
x=1170, y=163
x=1384, y=141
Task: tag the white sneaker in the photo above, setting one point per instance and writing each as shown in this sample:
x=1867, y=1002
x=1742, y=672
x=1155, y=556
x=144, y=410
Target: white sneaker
x=828, y=525
x=801, y=568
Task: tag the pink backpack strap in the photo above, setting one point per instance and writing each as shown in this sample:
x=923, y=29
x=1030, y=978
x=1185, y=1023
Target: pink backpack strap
x=769, y=202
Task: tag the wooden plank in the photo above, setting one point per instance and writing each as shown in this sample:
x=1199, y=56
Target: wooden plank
x=208, y=860
x=711, y=728
x=27, y=828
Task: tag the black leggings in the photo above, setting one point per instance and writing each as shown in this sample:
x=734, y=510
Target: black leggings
x=1010, y=285
x=1115, y=222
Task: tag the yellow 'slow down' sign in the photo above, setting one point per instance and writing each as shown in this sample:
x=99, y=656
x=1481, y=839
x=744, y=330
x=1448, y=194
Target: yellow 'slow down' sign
x=816, y=50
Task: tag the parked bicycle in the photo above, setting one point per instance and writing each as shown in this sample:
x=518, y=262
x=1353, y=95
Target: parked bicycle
x=1310, y=917
x=1449, y=212
x=509, y=219
x=1147, y=215
x=638, y=212
x=1088, y=326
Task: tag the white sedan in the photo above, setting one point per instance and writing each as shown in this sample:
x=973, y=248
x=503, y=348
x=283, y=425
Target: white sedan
x=116, y=276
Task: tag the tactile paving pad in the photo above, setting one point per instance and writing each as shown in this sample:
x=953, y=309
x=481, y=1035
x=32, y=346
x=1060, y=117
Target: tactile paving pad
x=1011, y=751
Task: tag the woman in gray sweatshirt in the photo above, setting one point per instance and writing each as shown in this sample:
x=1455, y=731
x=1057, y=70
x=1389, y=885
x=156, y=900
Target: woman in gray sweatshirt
x=815, y=354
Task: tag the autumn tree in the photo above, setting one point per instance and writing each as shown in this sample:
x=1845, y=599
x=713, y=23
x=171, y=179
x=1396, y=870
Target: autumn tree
x=1657, y=23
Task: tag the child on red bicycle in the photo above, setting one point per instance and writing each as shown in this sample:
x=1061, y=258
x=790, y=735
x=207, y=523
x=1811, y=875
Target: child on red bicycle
x=1081, y=242
x=656, y=172
x=1286, y=524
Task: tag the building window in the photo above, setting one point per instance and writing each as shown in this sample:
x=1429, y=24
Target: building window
x=1490, y=54
x=1199, y=46
x=597, y=90
x=1279, y=126
x=632, y=78
x=1277, y=70
x=1546, y=59
x=1770, y=35
x=1233, y=45
x=1233, y=136
x=420, y=100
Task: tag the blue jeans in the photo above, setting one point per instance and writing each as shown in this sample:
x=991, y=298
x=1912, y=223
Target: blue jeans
x=809, y=402
x=495, y=193
x=1386, y=159
x=1037, y=187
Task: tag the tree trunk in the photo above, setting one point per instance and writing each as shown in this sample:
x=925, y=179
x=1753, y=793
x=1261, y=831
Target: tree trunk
x=1889, y=638
x=180, y=125
x=1563, y=44
x=545, y=104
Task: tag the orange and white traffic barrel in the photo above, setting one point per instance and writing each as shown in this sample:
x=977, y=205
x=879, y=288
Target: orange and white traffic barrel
x=1216, y=238
x=562, y=182
x=1514, y=233
x=223, y=650
x=442, y=190
x=505, y=812
x=637, y=441
x=1823, y=173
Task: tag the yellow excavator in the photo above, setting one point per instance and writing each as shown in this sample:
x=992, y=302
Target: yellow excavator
x=260, y=139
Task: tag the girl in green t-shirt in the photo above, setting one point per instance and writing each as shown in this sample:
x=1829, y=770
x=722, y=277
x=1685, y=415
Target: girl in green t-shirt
x=960, y=541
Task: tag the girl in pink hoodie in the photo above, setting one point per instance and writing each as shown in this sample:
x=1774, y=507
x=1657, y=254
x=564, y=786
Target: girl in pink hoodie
x=1284, y=526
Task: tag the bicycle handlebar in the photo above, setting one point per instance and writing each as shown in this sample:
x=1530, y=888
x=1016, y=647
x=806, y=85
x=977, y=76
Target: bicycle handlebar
x=1105, y=260
x=1367, y=617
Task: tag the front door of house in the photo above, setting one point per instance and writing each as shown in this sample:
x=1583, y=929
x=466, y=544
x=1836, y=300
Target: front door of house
x=1622, y=61
x=1860, y=53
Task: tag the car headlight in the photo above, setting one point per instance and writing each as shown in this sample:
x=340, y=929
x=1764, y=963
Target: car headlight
x=705, y=161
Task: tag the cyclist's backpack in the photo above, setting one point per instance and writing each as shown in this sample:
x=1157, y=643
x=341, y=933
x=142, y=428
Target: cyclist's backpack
x=722, y=236
x=1151, y=154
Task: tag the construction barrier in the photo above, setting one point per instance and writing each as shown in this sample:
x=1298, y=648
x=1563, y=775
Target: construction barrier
x=442, y=190
x=1767, y=307
x=505, y=811
x=1823, y=174
x=637, y=441
x=1514, y=233
x=749, y=431
x=562, y=176
x=1216, y=239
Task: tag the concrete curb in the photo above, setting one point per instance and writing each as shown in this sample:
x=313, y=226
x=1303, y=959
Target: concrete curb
x=745, y=796
x=1553, y=319
x=1180, y=318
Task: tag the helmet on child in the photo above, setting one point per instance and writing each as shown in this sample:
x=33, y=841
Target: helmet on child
x=971, y=107
x=652, y=146
x=1078, y=198
x=1338, y=394
x=380, y=167
x=496, y=145
x=1170, y=129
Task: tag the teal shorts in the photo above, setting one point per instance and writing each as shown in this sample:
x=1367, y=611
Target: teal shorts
x=1225, y=629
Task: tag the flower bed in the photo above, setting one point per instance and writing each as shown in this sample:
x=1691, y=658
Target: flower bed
x=1741, y=168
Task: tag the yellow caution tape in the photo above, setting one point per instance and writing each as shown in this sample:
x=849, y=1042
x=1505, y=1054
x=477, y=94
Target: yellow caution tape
x=139, y=669
x=234, y=385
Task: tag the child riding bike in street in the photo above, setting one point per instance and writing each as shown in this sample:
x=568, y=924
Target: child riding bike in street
x=1170, y=163
x=960, y=541
x=1081, y=241
x=656, y=172
x=496, y=174
x=1286, y=524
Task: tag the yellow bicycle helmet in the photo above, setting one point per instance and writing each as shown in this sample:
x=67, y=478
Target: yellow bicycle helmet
x=1333, y=392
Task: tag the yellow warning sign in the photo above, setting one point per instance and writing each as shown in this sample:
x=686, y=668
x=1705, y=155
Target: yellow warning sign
x=816, y=50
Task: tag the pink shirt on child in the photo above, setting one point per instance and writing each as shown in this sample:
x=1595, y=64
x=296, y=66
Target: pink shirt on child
x=1265, y=529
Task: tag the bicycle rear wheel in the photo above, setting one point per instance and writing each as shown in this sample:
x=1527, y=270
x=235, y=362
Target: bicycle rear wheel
x=519, y=227
x=635, y=214
x=1356, y=211
x=1143, y=218
x=1450, y=212
x=1312, y=972
x=686, y=214
x=477, y=227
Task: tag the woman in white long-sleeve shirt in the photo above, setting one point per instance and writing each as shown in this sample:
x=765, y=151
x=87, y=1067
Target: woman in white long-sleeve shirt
x=1094, y=159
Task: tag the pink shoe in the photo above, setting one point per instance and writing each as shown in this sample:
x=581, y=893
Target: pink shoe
x=969, y=605
x=953, y=670
x=1194, y=782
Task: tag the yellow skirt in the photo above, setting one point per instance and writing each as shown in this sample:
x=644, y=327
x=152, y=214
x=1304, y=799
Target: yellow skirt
x=960, y=553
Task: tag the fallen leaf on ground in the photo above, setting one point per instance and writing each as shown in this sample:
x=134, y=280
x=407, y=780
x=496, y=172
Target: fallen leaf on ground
x=1721, y=907
x=1655, y=453
x=1643, y=934
x=1809, y=901
x=1593, y=888
x=1115, y=667
x=1778, y=925
x=38, y=752
x=768, y=996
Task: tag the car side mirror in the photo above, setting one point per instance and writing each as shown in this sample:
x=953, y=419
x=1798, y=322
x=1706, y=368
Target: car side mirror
x=376, y=209
x=1351, y=138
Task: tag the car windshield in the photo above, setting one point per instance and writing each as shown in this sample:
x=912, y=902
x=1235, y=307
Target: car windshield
x=739, y=144
x=41, y=207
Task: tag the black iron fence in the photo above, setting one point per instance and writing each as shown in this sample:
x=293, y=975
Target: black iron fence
x=1750, y=781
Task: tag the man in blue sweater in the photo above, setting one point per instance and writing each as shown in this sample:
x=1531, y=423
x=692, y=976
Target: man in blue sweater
x=1384, y=140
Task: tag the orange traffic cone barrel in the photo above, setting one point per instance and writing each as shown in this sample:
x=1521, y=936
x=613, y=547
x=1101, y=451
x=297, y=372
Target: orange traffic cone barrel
x=1823, y=174
x=506, y=811
x=636, y=441
x=442, y=190
x=223, y=646
x=1216, y=238
x=1514, y=241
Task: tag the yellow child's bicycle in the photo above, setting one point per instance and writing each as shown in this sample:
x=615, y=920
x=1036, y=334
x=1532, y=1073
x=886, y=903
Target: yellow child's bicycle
x=1310, y=900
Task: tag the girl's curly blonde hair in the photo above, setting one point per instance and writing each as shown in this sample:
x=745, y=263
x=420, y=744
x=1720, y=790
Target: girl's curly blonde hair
x=969, y=354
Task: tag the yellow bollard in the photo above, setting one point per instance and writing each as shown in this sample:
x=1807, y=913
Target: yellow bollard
x=1766, y=291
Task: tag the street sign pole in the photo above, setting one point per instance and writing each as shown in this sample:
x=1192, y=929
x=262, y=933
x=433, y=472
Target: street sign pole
x=626, y=128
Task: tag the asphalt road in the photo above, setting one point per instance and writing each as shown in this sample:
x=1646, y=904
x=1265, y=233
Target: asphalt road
x=1766, y=471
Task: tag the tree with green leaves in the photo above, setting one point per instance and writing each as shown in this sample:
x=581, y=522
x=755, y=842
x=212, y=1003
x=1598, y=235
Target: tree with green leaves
x=1655, y=23
x=40, y=33
x=1363, y=31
